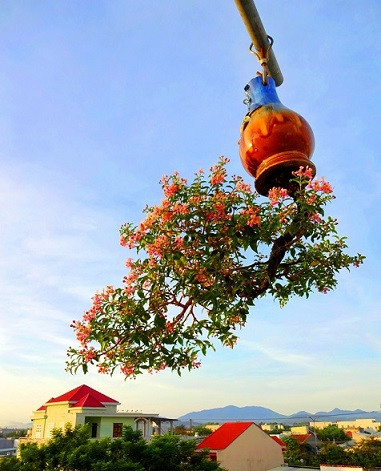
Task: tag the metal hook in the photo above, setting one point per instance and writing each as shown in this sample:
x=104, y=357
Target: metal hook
x=263, y=59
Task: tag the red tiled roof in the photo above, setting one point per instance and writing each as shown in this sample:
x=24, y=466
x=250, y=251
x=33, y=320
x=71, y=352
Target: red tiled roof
x=301, y=438
x=224, y=435
x=279, y=441
x=80, y=394
x=42, y=408
x=88, y=401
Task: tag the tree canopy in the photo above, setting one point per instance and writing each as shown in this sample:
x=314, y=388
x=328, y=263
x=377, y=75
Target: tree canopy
x=200, y=260
x=332, y=433
x=367, y=454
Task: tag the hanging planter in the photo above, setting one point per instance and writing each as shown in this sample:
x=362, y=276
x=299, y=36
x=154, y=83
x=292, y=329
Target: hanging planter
x=275, y=141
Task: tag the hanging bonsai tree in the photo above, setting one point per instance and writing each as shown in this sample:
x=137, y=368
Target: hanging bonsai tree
x=201, y=259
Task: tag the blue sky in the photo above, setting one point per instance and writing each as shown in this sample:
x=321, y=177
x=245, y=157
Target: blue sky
x=97, y=101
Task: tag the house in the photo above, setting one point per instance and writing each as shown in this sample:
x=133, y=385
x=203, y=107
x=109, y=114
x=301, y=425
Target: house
x=305, y=438
x=84, y=405
x=300, y=429
x=367, y=424
x=280, y=442
x=243, y=446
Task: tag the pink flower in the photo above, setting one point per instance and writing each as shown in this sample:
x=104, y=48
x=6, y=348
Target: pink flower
x=127, y=370
x=304, y=172
x=88, y=354
x=103, y=369
x=171, y=189
x=129, y=263
x=252, y=213
x=180, y=208
x=314, y=217
x=276, y=195
x=243, y=187
x=82, y=333
x=169, y=327
x=321, y=185
x=218, y=177
x=179, y=243
x=218, y=174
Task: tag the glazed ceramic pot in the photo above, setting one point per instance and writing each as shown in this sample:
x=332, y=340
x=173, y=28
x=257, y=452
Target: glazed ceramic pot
x=275, y=141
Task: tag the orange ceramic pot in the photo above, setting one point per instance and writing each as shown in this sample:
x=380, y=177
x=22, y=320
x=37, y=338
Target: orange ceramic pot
x=275, y=141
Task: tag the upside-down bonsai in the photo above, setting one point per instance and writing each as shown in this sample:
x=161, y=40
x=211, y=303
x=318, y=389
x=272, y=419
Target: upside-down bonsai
x=201, y=259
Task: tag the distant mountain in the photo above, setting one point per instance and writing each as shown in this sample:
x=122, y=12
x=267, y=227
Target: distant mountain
x=262, y=414
x=228, y=413
x=16, y=425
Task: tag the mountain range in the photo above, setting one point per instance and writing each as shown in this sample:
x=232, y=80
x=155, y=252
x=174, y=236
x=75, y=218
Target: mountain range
x=262, y=414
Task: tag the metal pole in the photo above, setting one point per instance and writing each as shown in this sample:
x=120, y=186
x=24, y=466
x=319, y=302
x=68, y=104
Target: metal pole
x=258, y=35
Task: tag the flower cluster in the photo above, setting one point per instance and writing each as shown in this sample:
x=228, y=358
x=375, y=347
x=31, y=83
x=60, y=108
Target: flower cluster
x=201, y=259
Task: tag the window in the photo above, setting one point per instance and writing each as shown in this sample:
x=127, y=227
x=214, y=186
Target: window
x=94, y=430
x=117, y=430
x=38, y=431
x=50, y=429
x=213, y=456
x=141, y=425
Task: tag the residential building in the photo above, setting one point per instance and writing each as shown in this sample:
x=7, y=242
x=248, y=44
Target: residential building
x=242, y=446
x=305, y=438
x=84, y=405
x=359, y=424
x=280, y=442
x=300, y=429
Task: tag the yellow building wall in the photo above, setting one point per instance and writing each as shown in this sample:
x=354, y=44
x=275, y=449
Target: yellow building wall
x=55, y=416
x=253, y=450
x=270, y=427
x=300, y=429
x=363, y=423
x=58, y=416
x=38, y=428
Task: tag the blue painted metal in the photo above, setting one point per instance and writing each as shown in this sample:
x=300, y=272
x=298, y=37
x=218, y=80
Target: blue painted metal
x=258, y=94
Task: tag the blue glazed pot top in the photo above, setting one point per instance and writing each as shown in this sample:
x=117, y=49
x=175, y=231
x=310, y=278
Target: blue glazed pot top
x=258, y=94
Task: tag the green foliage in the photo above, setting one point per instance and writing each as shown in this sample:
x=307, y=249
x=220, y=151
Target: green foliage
x=71, y=450
x=169, y=453
x=32, y=457
x=332, y=433
x=277, y=430
x=292, y=455
x=202, y=430
x=299, y=455
x=209, y=250
x=367, y=454
x=9, y=463
x=331, y=453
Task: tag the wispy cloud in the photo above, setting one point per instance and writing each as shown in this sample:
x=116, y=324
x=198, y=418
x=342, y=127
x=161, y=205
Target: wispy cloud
x=279, y=355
